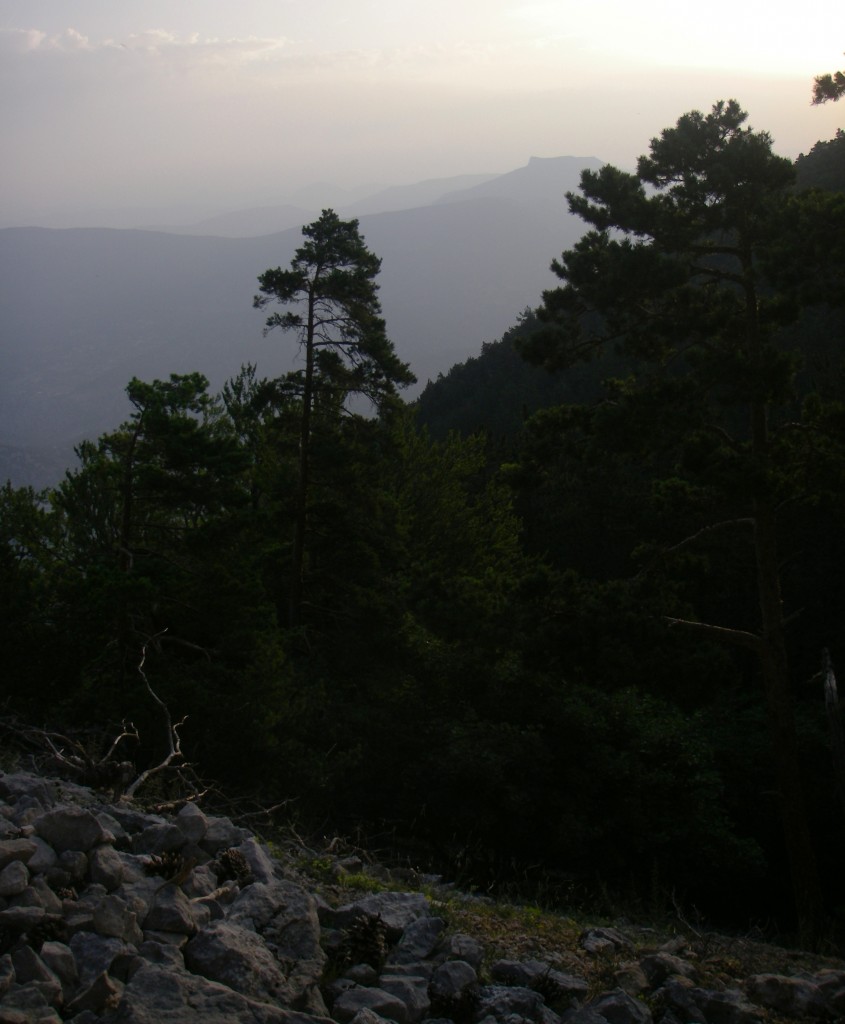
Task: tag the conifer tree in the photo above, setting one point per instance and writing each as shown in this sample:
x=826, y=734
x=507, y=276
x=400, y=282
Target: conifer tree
x=673, y=274
x=331, y=299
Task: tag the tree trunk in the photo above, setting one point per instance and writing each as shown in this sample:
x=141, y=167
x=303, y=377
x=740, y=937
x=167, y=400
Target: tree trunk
x=806, y=886
x=301, y=506
x=803, y=869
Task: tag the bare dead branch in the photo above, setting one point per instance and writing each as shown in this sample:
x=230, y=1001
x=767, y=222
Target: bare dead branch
x=735, y=636
x=174, y=758
x=711, y=528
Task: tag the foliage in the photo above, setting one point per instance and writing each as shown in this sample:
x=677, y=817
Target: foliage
x=824, y=165
x=481, y=670
x=829, y=87
x=347, y=352
x=682, y=272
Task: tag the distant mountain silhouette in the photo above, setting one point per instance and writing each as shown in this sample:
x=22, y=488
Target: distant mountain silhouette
x=543, y=179
x=84, y=310
x=249, y=223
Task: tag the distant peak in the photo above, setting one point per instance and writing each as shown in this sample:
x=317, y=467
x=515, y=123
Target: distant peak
x=558, y=159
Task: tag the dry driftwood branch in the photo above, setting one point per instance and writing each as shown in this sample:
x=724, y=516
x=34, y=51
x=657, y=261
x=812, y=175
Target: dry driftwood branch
x=735, y=636
x=174, y=758
x=70, y=757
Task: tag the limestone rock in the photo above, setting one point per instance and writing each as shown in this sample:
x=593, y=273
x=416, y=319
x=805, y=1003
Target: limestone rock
x=102, y=995
x=70, y=828
x=350, y=1003
x=170, y=912
x=16, y=850
x=617, y=1007
x=413, y=992
x=14, y=878
x=795, y=997
x=191, y=822
x=418, y=941
x=106, y=867
x=238, y=957
x=156, y=995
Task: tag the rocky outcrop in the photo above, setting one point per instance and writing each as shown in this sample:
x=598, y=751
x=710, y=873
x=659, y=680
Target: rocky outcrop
x=112, y=914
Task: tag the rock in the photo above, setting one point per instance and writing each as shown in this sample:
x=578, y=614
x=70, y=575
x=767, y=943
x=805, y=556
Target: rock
x=726, y=1007
x=70, y=828
x=368, y=1016
x=631, y=979
x=32, y=1002
x=413, y=991
x=156, y=995
x=418, y=941
x=238, y=957
x=95, y=953
x=600, y=940
x=191, y=822
x=105, y=867
x=696, y=1005
x=29, y=967
x=617, y=1007
x=362, y=974
x=75, y=864
x=451, y=980
x=171, y=911
x=44, y=896
x=60, y=959
x=553, y=984
x=832, y=985
x=14, y=878
x=16, y=850
x=112, y=917
x=586, y=1015
x=503, y=1003
x=102, y=995
x=160, y=953
x=44, y=857
x=23, y=784
x=660, y=966
x=348, y=1004
x=395, y=909
x=465, y=947
x=221, y=834
x=260, y=864
x=795, y=997
x=158, y=838
x=24, y=919
x=257, y=949
x=285, y=916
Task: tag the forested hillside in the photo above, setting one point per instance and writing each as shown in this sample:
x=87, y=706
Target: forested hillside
x=560, y=627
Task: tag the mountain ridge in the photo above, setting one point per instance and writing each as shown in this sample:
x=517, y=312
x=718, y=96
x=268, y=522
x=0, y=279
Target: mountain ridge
x=82, y=310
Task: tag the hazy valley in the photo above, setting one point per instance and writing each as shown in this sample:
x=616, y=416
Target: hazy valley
x=83, y=310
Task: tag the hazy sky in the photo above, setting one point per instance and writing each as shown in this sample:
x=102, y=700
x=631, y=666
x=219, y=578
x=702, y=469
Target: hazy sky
x=144, y=102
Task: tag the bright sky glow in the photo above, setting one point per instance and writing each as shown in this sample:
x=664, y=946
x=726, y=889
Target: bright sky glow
x=145, y=102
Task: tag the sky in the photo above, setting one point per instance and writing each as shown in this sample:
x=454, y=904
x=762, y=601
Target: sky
x=208, y=106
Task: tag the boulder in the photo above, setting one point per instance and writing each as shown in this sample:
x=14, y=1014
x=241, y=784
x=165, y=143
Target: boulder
x=157, y=995
x=238, y=957
x=413, y=992
x=14, y=878
x=70, y=828
x=618, y=1007
x=16, y=850
x=795, y=997
x=348, y=1004
x=418, y=941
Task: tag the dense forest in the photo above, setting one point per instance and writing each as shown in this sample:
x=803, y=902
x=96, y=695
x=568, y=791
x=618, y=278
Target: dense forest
x=561, y=624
